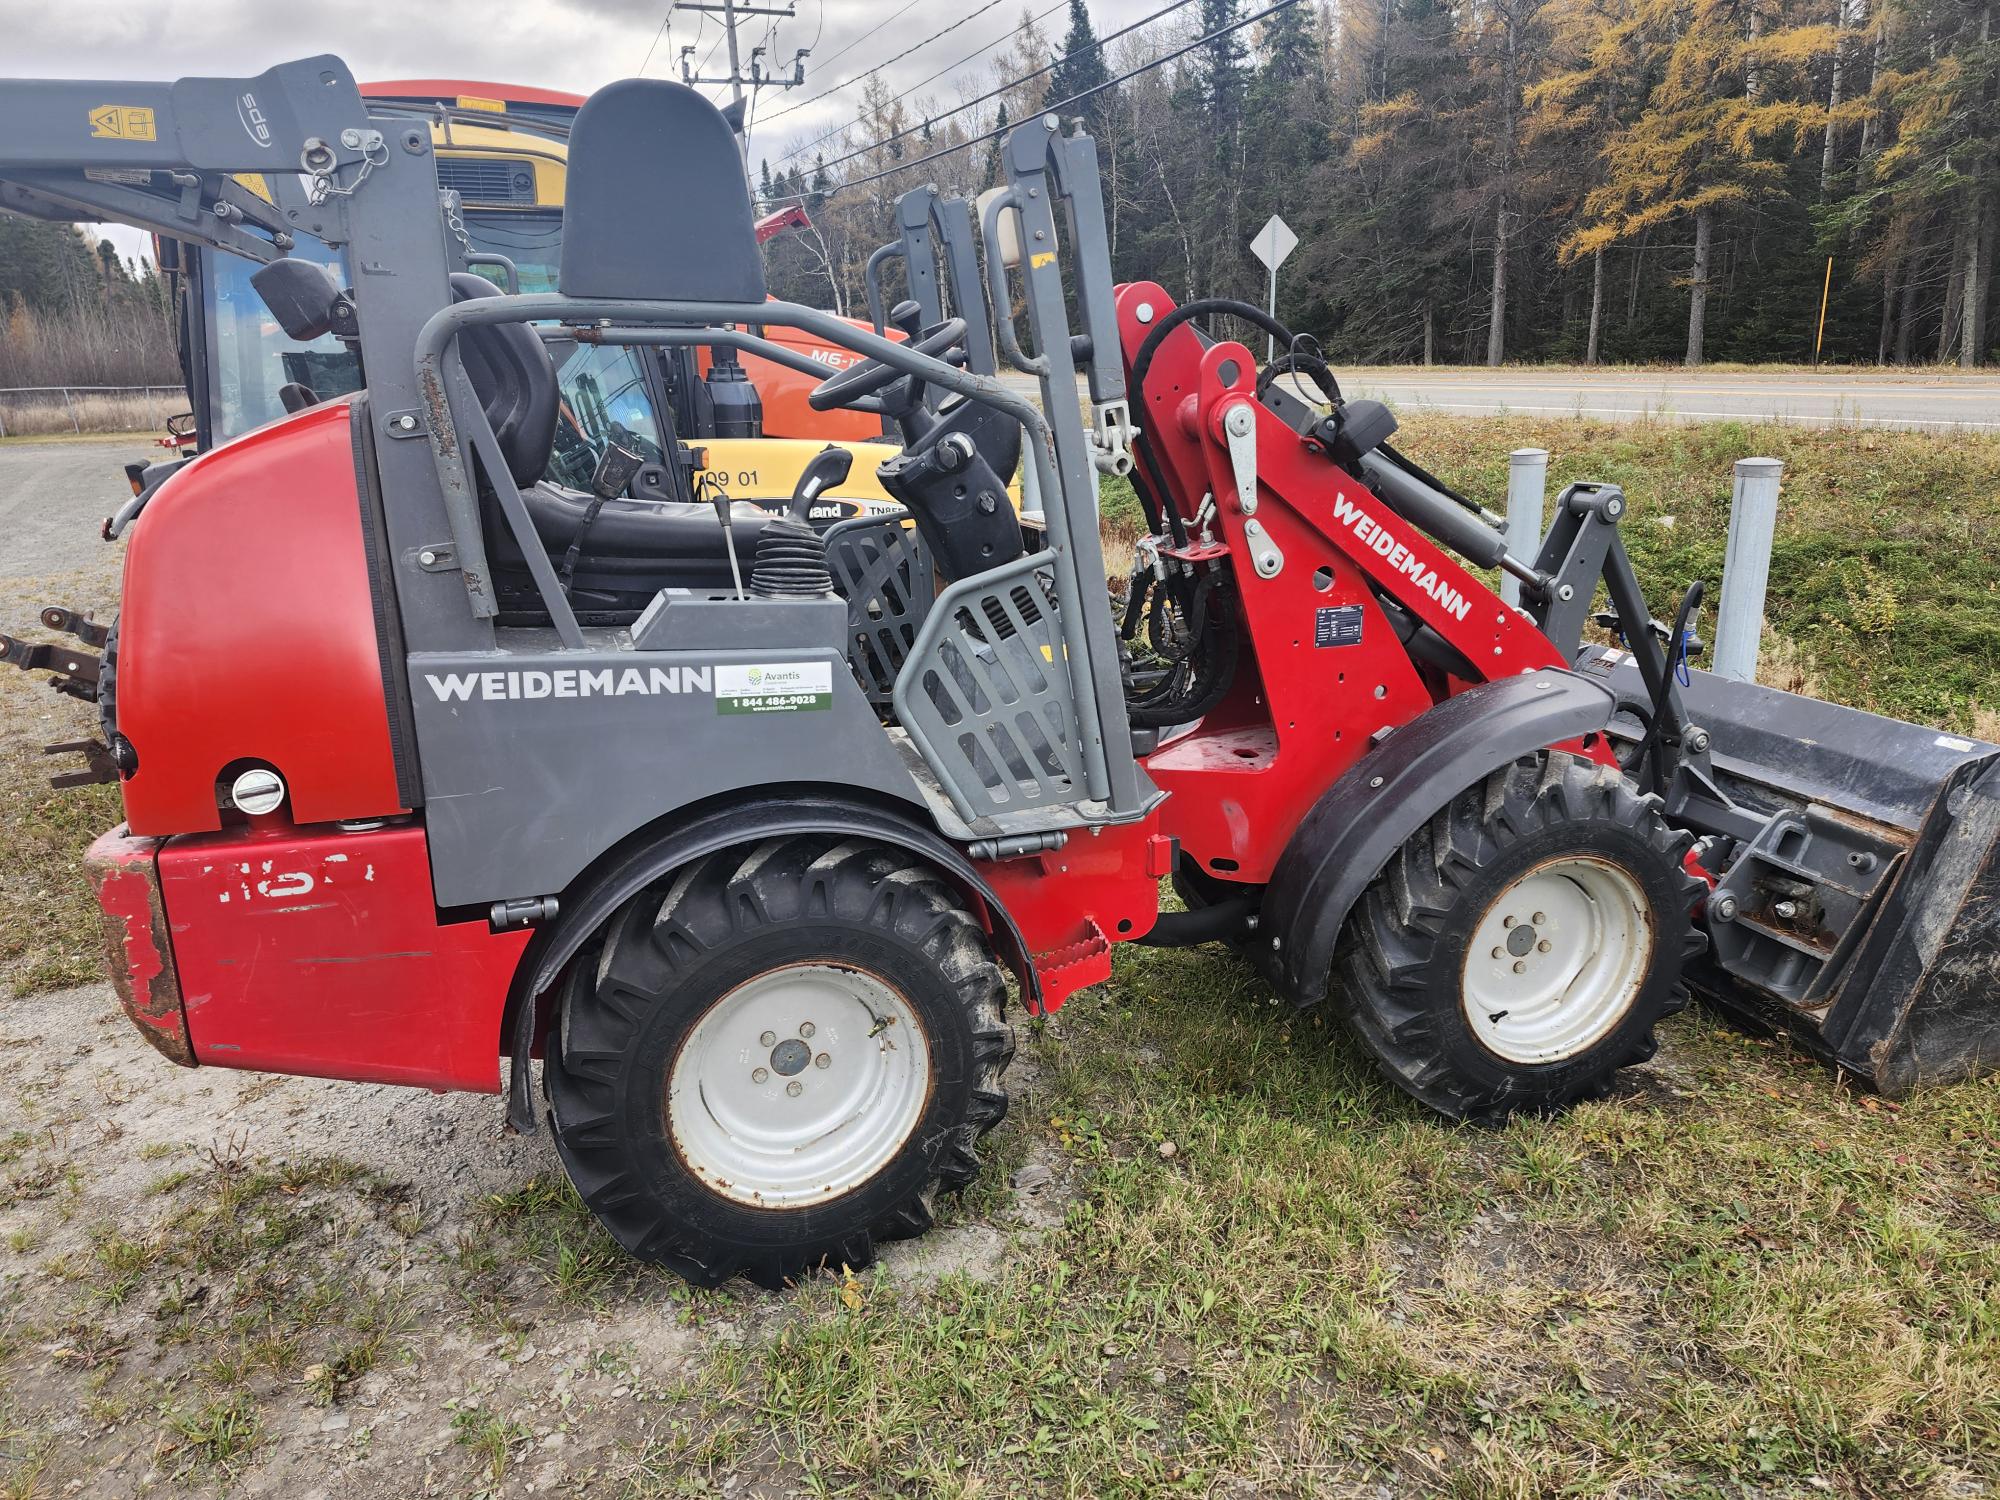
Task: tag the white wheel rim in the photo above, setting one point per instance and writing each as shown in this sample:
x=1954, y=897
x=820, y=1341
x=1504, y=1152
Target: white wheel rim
x=1557, y=960
x=798, y=1086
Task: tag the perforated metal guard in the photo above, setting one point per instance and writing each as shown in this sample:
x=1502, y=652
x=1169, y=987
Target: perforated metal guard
x=882, y=568
x=986, y=694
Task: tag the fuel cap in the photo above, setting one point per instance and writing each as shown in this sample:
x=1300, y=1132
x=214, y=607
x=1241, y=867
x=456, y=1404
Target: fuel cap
x=257, y=791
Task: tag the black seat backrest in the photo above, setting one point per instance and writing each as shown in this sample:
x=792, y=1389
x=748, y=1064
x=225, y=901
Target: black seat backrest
x=657, y=206
x=515, y=380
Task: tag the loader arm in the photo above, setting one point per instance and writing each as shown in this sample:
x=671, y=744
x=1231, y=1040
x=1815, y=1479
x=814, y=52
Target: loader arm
x=65, y=139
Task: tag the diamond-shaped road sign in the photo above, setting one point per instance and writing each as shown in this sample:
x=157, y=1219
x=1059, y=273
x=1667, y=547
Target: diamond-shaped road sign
x=1274, y=242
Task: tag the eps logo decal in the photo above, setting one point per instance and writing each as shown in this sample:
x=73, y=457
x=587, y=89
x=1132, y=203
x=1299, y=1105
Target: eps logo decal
x=251, y=113
x=122, y=122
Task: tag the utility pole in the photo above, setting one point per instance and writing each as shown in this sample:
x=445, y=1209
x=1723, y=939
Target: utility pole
x=729, y=10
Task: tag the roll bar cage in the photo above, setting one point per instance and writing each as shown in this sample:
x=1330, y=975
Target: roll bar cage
x=162, y=156
x=1063, y=456
x=929, y=226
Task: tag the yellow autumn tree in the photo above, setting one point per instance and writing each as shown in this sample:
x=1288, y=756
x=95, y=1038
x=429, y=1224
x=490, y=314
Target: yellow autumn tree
x=1713, y=132
x=1592, y=91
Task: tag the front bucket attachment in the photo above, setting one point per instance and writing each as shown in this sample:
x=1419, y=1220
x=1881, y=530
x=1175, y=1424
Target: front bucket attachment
x=1858, y=900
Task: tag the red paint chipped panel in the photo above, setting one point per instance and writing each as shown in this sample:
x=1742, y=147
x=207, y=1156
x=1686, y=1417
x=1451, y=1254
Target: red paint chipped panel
x=315, y=951
x=138, y=953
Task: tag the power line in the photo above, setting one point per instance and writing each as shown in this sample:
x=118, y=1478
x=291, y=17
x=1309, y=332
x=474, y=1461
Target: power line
x=825, y=93
x=666, y=23
x=1098, y=45
x=867, y=35
x=750, y=117
x=799, y=151
x=732, y=13
x=1056, y=108
x=702, y=66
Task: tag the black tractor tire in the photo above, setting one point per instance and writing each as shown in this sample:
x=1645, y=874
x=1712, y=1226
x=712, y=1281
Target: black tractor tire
x=107, y=684
x=806, y=904
x=1405, y=973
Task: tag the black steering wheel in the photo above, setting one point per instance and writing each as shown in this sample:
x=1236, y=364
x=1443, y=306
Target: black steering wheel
x=872, y=375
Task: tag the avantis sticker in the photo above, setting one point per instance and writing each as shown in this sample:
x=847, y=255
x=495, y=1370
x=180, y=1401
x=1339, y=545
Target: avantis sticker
x=774, y=687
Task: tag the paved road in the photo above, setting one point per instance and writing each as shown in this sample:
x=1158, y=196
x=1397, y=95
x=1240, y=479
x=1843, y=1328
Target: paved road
x=1870, y=400
x=53, y=497
x=1923, y=402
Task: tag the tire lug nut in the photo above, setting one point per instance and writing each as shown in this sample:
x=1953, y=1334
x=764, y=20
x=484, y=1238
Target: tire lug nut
x=795, y=1088
x=758, y=1075
x=1499, y=952
x=822, y=1061
x=1506, y=921
x=768, y=1039
x=806, y=1028
x=1543, y=946
x=1519, y=966
x=1538, y=918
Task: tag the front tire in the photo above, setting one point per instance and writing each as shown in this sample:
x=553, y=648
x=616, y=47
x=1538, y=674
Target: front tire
x=1520, y=948
x=779, y=1060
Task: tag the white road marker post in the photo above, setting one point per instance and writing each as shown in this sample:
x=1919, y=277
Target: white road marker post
x=1527, y=485
x=1272, y=244
x=1746, y=567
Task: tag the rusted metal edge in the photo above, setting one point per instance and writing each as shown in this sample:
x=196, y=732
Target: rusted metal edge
x=138, y=948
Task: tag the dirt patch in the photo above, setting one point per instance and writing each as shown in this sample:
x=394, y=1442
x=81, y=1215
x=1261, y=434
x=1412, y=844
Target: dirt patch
x=284, y=1283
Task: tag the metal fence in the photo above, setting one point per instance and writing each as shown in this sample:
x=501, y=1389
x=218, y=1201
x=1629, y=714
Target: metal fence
x=146, y=406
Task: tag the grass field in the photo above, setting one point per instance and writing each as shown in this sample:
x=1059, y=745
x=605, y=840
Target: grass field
x=87, y=414
x=1252, y=1267
x=1885, y=573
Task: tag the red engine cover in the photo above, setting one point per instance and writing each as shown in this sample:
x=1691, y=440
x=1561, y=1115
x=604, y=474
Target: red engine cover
x=247, y=632
x=320, y=952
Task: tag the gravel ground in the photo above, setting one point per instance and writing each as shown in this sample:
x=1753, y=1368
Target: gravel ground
x=1213, y=1253
x=283, y=1285
x=52, y=497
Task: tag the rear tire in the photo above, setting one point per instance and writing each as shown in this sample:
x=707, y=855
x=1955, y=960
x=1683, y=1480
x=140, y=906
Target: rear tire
x=1520, y=948
x=692, y=1106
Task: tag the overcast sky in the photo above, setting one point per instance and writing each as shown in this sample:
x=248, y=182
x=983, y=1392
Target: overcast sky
x=564, y=44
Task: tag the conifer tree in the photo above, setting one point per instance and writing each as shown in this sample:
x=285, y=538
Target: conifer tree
x=1589, y=94
x=1713, y=136
x=1079, y=70
x=993, y=149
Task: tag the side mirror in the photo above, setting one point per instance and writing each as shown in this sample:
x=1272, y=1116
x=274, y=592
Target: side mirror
x=303, y=295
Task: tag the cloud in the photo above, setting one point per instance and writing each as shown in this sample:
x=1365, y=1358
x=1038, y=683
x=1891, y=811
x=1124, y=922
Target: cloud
x=562, y=44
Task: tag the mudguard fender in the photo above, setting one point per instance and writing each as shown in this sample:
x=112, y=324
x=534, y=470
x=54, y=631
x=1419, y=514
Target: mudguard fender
x=1343, y=843
x=648, y=857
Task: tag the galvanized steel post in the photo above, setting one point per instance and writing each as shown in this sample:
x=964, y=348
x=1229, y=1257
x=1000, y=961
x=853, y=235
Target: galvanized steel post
x=1746, y=567
x=1527, y=484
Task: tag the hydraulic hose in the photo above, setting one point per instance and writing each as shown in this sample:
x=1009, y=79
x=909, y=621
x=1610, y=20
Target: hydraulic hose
x=1207, y=924
x=1649, y=753
x=1159, y=505
x=1249, y=312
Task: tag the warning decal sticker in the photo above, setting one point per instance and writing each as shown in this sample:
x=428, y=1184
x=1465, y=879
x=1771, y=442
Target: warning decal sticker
x=774, y=687
x=122, y=122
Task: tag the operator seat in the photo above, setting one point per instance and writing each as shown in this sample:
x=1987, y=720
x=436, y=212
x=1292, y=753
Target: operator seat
x=633, y=549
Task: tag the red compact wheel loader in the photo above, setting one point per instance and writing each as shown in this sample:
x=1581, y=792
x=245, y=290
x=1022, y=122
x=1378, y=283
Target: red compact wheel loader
x=747, y=866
